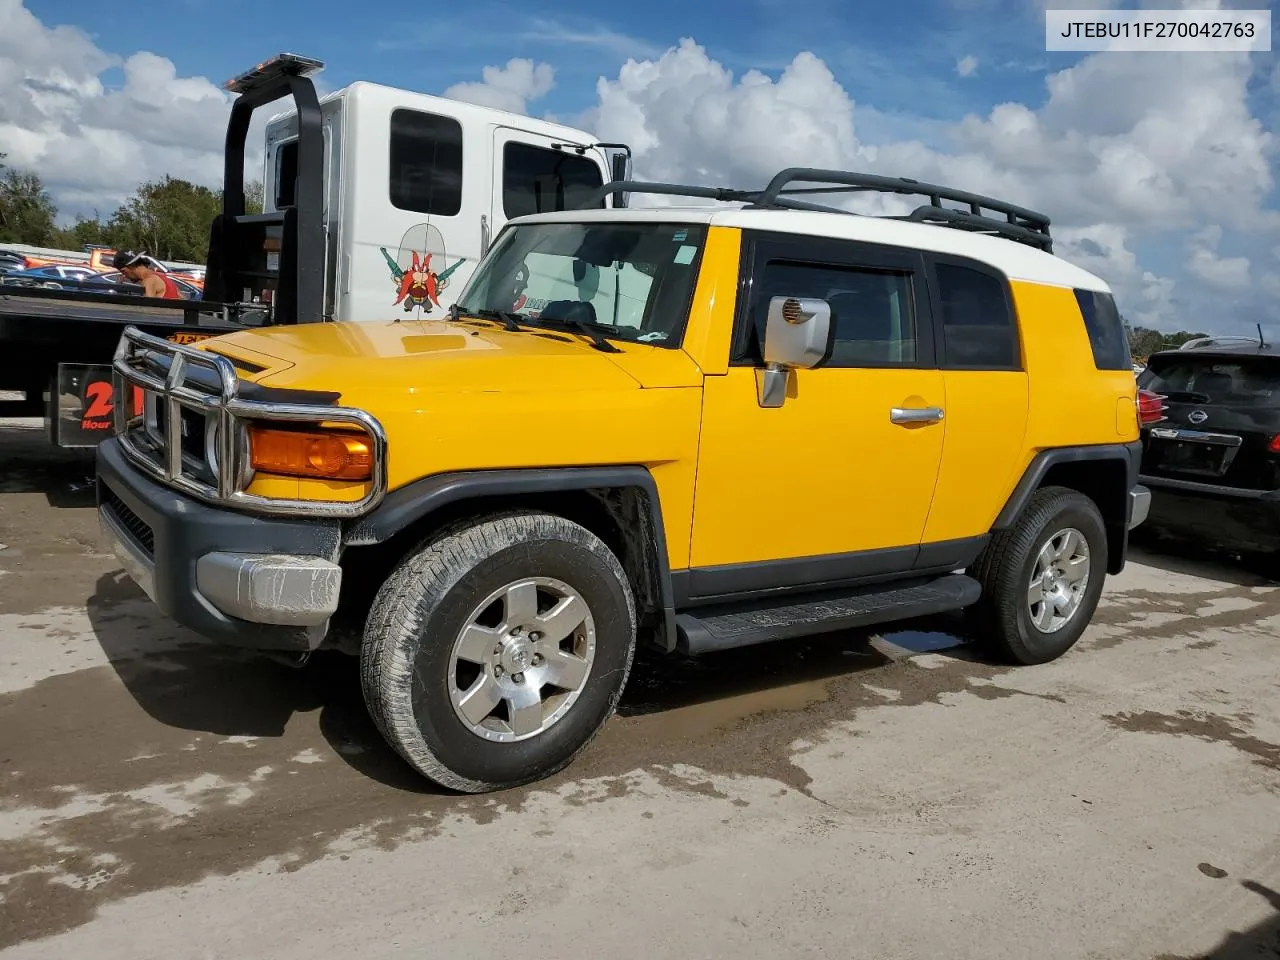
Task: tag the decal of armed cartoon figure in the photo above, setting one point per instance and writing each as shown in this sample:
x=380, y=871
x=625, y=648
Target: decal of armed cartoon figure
x=418, y=285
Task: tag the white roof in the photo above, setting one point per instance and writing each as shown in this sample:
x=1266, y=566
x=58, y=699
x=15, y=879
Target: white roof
x=1017, y=261
x=399, y=97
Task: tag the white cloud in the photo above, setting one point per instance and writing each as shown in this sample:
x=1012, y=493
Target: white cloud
x=1231, y=273
x=620, y=44
x=507, y=88
x=93, y=145
x=687, y=119
x=1100, y=248
x=966, y=66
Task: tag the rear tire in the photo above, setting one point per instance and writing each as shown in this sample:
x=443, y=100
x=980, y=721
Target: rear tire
x=1041, y=578
x=494, y=654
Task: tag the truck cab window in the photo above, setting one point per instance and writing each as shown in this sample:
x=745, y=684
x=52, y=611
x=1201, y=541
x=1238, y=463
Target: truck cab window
x=286, y=174
x=538, y=180
x=426, y=163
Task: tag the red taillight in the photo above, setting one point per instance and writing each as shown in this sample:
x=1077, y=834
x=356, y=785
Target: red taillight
x=1150, y=407
x=1274, y=445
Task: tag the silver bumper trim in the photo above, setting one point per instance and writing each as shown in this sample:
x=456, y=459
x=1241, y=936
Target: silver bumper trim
x=270, y=588
x=1140, y=497
x=140, y=568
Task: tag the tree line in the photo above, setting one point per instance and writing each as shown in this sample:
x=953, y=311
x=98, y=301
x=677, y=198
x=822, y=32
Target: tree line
x=167, y=218
x=1143, y=341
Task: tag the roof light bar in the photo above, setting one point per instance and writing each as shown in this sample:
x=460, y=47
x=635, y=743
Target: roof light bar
x=269, y=71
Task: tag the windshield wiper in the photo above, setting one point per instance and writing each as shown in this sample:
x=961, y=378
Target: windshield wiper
x=508, y=318
x=585, y=328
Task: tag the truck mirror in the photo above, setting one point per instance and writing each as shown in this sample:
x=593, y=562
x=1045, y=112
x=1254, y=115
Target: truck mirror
x=621, y=171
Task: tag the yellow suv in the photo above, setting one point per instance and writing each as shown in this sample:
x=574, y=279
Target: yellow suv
x=705, y=427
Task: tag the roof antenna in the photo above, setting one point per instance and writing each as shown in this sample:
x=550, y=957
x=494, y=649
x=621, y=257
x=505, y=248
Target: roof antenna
x=1261, y=342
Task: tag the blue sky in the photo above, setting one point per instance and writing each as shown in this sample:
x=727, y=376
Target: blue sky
x=898, y=62
x=900, y=56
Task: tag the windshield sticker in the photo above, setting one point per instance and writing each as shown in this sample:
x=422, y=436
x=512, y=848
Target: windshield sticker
x=652, y=335
x=421, y=268
x=534, y=305
x=680, y=235
x=685, y=254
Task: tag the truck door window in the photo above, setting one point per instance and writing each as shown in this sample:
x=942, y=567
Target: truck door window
x=538, y=180
x=426, y=163
x=977, y=321
x=873, y=311
x=286, y=175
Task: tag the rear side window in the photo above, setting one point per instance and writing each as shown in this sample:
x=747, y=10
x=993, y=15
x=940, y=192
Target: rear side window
x=538, y=180
x=426, y=163
x=1240, y=382
x=977, y=322
x=1106, y=331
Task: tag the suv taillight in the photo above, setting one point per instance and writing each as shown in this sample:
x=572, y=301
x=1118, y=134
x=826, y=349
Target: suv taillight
x=1274, y=445
x=1150, y=407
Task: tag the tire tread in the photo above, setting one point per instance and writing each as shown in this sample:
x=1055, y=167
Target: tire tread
x=998, y=569
x=412, y=591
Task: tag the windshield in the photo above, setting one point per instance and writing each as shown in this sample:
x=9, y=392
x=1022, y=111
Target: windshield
x=624, y=280
x=1250, y=382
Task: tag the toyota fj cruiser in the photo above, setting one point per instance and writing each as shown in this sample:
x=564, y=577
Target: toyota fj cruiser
x=705, y=427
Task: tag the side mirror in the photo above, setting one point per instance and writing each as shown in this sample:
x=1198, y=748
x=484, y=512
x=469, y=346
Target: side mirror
x=797, y=336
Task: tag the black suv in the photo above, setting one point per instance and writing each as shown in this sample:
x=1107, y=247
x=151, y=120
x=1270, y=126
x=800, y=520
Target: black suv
x=1212, y=462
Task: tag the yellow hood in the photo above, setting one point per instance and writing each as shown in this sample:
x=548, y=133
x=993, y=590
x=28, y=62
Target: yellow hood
x=438, y=356
x=443, y=391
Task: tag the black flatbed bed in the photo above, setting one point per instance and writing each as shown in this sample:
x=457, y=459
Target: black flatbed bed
x=41, y=327
x=55, y=343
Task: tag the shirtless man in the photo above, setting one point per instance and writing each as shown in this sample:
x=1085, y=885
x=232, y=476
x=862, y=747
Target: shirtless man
x=135, y=268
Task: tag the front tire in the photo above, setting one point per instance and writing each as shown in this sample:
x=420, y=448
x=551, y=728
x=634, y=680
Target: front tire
x=495, y=654
x=1041, y=578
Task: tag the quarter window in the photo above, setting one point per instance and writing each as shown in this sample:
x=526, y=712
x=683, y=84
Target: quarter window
x=1109, y=342
x=978, y=330
x=426, y=163
x=872, y=311
x=538, y=180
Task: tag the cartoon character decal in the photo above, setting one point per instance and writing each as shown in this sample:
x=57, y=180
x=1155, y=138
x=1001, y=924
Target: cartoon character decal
x=419, y=283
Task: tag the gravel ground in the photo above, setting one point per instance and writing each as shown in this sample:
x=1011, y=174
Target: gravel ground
x=855, y=796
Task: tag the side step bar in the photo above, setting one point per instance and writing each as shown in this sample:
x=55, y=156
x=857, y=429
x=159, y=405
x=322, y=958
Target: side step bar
x=724, y=628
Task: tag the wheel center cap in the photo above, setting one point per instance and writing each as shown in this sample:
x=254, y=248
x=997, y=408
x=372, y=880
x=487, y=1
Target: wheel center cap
x=517, y=655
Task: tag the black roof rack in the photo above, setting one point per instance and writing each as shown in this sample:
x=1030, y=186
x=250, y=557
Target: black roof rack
x=1012, y=223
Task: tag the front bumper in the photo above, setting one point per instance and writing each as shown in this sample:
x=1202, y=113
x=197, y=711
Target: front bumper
x=247, y=581
x=1216, y=516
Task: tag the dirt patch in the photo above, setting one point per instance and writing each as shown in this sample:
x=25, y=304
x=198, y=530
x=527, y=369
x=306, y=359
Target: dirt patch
x=1203, y=726
x=1146, y=615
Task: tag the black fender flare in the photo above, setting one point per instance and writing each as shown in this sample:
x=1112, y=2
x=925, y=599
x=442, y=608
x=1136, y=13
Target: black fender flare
x=1130, y=454
x=406, y=505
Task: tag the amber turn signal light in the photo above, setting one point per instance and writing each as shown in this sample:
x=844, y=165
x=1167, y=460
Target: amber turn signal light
x=299, y=453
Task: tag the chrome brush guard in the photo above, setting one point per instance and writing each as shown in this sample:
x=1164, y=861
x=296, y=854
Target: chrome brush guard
x=182, y=389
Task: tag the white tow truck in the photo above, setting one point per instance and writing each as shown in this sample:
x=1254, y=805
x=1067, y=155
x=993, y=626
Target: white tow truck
x=414, y=188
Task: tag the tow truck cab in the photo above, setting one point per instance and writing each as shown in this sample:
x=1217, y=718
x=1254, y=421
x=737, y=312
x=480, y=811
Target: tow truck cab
x=400, y=193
